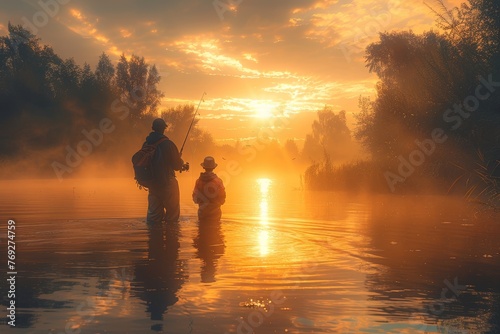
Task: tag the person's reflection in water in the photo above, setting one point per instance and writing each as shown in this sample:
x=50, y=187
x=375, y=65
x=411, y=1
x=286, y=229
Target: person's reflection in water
x=162, y=274
x=209, y=244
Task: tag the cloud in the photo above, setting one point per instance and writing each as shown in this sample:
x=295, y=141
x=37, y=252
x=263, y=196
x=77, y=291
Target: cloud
x=125, y=33
x=210, y=58
x=294, y=55
x=86, y=26
x=351, y=26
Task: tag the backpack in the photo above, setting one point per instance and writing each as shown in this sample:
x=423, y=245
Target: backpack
x=142, y=162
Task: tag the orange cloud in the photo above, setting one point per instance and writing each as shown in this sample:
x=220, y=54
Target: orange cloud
x=353, y=26
x=84, y=26
x=211, y=59
x=125, y=33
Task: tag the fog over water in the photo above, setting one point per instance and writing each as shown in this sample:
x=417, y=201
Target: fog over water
x=358, y=143
x=281, y=259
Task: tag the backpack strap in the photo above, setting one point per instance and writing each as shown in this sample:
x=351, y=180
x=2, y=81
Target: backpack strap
x=156, y=143
x=159, y=141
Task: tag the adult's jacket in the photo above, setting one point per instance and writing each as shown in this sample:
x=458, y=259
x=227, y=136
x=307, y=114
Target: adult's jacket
x=166, y=160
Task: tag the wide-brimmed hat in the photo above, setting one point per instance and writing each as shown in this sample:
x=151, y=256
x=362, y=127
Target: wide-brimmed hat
x=159, y=124
x=209, y=163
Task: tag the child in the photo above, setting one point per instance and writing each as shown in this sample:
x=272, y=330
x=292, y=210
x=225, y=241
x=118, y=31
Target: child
x=209, y=192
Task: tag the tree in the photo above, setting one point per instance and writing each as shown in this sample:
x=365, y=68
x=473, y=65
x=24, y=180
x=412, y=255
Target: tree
x=105, y=71
x=365, y=124
x=88, y=78
x=423, y=77
x=474, y=25
x=137, y=83
x=47, y=102
x=68, y=78
x=179, y=119
x=291, y=149
x=330, y=135
x=153, y=94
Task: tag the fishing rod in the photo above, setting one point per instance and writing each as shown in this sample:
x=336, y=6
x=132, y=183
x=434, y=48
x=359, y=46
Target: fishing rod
x=192, y=122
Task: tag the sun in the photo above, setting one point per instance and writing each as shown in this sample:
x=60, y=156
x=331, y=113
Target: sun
x=264, y=111
x=263, y=108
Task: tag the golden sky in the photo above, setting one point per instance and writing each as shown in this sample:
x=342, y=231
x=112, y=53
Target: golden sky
x=254, y=58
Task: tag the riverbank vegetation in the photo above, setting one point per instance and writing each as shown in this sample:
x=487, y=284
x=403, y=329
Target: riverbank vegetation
x=435, y=122
x=433, y=126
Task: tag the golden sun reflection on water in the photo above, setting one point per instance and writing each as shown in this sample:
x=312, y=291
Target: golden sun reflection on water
x=264, y=242
x=343, y=263
x=263, y=234
x=264, y=212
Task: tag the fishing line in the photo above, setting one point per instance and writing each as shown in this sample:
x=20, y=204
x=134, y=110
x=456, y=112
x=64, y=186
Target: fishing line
x=191, y=125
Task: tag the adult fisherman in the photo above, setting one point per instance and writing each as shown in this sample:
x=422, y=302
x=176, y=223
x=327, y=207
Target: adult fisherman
x=163, y=197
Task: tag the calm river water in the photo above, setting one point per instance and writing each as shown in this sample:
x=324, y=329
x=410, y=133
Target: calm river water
x=282, y=260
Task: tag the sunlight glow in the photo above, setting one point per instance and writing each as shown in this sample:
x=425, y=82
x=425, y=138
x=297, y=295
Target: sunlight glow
x=264, y=184
x=263, y=210
x=263, y=237
x=263, y=109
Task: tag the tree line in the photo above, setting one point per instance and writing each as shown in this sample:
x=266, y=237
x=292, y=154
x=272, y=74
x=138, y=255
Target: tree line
x=54, y=112
x=436, y=118
x=59, y=118
x=435, y=122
